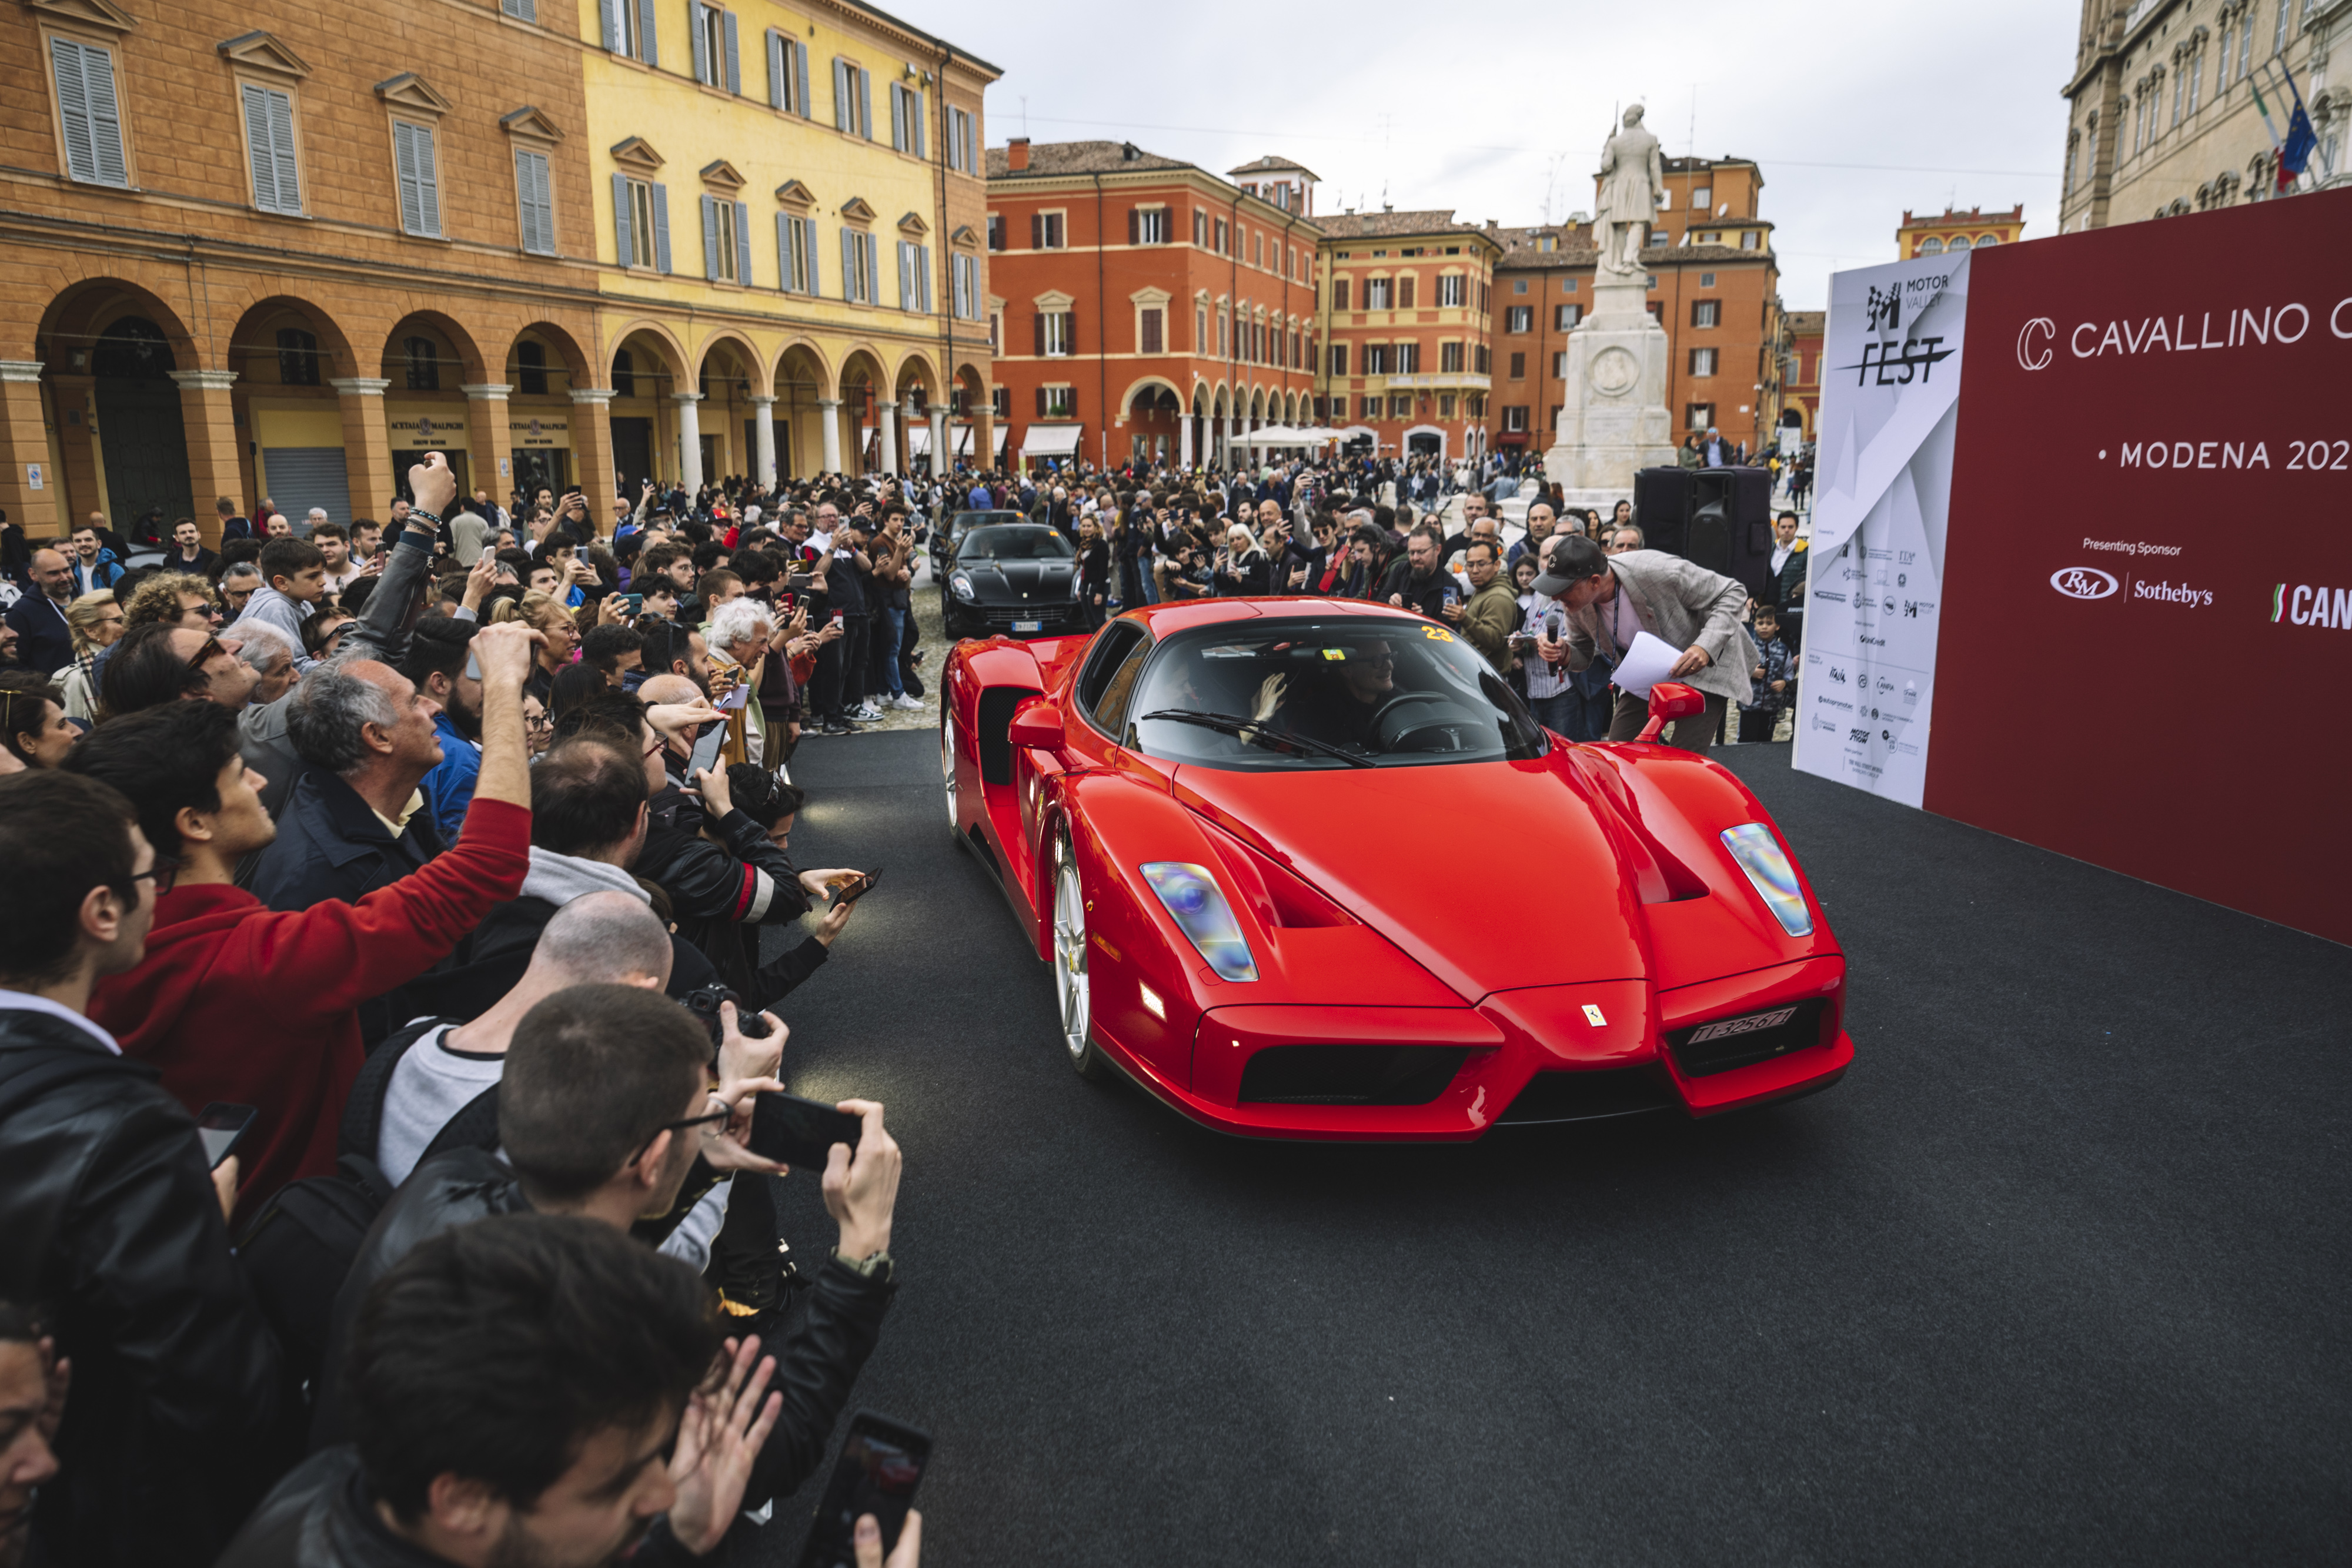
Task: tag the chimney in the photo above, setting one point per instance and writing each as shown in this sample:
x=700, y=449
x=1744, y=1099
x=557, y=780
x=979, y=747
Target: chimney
x=1016, y=154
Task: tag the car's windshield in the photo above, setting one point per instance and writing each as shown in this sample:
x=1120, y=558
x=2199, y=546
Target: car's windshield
x=1397, y=692
x=964, y=522
x=1018, y=541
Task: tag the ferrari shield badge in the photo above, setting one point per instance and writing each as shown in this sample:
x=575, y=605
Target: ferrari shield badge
x=1592, y=1016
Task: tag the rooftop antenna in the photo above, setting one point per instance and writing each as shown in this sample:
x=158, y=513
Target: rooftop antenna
x=1690, y=147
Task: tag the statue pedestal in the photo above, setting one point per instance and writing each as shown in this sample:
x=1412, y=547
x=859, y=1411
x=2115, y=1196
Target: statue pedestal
x=1615, y=419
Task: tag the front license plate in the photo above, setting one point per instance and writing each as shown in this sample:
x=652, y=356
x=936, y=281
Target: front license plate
x=1726, y=1027
x=1028, y=625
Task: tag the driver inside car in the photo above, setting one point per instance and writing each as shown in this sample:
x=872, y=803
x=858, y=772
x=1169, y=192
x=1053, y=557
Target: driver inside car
x=1335, y=702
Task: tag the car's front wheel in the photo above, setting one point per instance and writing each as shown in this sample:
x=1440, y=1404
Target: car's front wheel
x=1072, y=990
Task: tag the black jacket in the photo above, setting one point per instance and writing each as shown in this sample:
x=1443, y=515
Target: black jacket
x=44, y=640
x=179, y=1414
x=716, y=889
x=816, y=1365
x=323, y=1516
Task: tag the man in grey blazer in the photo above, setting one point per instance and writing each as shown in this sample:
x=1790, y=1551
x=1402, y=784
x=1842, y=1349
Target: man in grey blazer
x=1609, y=598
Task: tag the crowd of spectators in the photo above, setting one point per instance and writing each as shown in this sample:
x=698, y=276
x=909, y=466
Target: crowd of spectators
x=438, y=877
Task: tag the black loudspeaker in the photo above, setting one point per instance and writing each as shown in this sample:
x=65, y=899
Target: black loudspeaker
x=1721, y=519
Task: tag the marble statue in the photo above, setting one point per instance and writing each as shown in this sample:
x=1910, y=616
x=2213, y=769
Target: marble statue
x=1632, y=177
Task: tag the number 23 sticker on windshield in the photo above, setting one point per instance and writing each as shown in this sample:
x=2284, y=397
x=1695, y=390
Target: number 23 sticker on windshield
x=1437, y=634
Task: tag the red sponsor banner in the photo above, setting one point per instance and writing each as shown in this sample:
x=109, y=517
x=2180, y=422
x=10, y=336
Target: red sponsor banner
x=2145, y=651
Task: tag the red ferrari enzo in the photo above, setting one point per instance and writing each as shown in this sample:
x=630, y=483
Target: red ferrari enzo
x=1307, y=868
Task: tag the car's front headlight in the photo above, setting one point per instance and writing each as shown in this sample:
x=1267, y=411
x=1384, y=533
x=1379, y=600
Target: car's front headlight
x=960, y=586
x=1775, y=880
x=1198, y=905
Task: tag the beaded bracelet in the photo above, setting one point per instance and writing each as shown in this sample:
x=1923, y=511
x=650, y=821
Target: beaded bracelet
x=417, y=512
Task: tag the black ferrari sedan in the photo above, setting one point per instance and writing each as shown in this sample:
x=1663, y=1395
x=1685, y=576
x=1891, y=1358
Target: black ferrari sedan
x=949, y=534
x=1017, y=578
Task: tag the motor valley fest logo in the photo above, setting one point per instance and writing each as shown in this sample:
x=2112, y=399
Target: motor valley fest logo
x=2242, y=327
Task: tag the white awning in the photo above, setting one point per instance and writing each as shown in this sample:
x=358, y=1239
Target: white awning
x=1004, y=438
x=918, y=439
x=1287, y=436
x=963, y=440
x=1051, y=441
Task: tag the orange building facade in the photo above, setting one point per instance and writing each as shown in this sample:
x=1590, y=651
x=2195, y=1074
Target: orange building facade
x=1802, y=394
x=1143, y=308
x=1406, y=321
x=1933, y=234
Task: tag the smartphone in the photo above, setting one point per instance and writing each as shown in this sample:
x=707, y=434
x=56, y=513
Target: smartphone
x=851, y=891
x=221, y=1128
x=881, y=1464
x=799, y=581
x=635, y=603
x=799, y=1131
x=837, y=617
x=733, y=701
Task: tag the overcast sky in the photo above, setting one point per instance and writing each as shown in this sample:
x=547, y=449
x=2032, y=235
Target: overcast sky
x=1855, y=111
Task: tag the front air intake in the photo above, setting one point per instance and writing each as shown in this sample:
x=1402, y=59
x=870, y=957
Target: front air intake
x=1588, y=1096
x=1349, y=1074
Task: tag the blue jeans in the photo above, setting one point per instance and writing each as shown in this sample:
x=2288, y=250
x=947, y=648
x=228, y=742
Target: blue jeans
x=1559, y=714
x=889, y=628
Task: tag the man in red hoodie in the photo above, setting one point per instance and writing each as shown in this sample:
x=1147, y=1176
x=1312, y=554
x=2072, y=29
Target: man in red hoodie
x=241, y=1003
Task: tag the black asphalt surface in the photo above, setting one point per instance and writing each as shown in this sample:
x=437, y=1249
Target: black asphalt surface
x=2058, y=1274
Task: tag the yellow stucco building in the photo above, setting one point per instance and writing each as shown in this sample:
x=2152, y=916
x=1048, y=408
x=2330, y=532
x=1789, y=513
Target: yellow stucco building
x=791, y=232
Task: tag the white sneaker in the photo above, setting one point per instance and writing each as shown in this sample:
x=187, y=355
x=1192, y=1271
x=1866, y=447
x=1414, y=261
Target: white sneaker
x=865, y=711
x=909, y=704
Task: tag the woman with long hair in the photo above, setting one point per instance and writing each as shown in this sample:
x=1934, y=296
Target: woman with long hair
x=95, y=622
x=543, y=613
x=1243, y=569
x=1094, y=573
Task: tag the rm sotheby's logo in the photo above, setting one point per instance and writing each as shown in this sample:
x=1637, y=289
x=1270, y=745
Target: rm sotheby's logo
x=2082, y=583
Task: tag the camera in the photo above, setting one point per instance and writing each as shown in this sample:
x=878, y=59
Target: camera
x=704, y=1001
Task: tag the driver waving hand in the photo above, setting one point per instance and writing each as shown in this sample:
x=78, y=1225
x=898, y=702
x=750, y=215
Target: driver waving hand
x=1336, y=701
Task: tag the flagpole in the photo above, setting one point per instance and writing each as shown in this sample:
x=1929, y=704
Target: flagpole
x=2326, y=164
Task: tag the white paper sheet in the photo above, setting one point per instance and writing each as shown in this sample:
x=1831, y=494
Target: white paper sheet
x=1649, y=661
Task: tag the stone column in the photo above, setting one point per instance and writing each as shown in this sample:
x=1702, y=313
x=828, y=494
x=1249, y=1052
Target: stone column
x=888, y=413
x=591, y=454
x=828, y=424
x=942, y=455
x=210, y=420
x=690, y=441
x=1184, y=439
x=983, y=438
x=367, y=444
x=489, y=441
x=24, y=451
x=764, y=440
x=1232, y=436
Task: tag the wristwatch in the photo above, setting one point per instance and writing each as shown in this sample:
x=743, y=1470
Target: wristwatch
x=874, y=1266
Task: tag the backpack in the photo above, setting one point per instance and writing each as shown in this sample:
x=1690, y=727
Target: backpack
x=300, y=1247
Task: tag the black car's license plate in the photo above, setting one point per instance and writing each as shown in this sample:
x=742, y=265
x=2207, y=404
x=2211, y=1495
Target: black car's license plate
x=1028, y=625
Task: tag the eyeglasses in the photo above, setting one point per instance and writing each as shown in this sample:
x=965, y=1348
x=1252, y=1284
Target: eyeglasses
x=165, y=873
x=718, y=1116
x=538, y=721
x=203, y=655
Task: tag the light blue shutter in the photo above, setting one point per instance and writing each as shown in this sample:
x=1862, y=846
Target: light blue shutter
x=775, y=69
x=865, y=103
x=428, y=181
x=918, y=110
x=923, y=271
x=282, y=148
x=412, y=197
x=694, y=9
x=813, y=283
x=608, y=12
x=906, y=275
x=800, y=83
x=849, y=269
x=259, y=150
x=710, y=238
x=841, y=110
x=661, y=226
x=783, y=248
x=521, y=10
x=537, y=203
x=743, y=244
x=93, y=128
x=623, y=250
x=734, y=57
x=872, y=270
x=651, y=51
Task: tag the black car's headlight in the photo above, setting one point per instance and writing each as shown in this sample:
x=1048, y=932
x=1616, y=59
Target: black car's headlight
x=960, y=586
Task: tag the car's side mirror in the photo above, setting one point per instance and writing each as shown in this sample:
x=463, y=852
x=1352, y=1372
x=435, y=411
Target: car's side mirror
x=1036, y=725
x=1671, y=700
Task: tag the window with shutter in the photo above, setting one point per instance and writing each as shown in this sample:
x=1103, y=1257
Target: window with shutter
x=87, y=113
x=647, y=50
x=734, y=55
x=698, y=34
x=1040, y=320
x=1151, y=333
x=873, y=269
x=742, y=214
x=710, y=243
x=1338, y=294
x=843, y=116
x=612, y=17
x=850, y=271
x=521, y=10
x=657, y=204
x=800, y=85
x=777, y=76
x=419, y=177
x=535, y=195
x=269, y=142
x=1037, y=231
x=625, y=251
x=1404, y=292
x=865, y=103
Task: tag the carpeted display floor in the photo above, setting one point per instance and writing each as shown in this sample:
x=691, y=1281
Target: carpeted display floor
x=2059, y=1274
